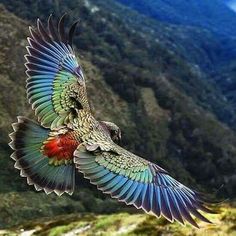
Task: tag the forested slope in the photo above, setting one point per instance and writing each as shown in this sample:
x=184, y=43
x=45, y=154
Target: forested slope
x=153, y=95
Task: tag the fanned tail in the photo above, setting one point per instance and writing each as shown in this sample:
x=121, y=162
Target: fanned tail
x=27, y=140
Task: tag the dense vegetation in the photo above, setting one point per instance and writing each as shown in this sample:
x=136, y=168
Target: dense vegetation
x=203, y=37
x=226, y=79
x=213, y=15
x=166, y=110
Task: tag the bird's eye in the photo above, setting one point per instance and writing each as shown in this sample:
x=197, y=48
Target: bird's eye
x=113, y=132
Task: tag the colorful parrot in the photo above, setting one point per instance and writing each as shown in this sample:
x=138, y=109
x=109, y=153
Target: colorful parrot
x=67, y=137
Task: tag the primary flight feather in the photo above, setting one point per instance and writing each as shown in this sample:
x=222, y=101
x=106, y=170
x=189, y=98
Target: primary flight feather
x=68, y=138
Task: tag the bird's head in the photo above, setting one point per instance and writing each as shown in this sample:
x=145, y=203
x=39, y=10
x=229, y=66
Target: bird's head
x=113, y=130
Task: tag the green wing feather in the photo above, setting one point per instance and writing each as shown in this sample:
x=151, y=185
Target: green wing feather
x=55, y=84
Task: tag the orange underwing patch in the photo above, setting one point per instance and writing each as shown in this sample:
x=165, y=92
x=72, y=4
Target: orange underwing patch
x=60, y=148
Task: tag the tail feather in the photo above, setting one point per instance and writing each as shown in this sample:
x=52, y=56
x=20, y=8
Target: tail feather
x=27, y=140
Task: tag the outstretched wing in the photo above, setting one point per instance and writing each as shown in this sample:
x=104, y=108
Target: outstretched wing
x=55, y=84
x=134, y=180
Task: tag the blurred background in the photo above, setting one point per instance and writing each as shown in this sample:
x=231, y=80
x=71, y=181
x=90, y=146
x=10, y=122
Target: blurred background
x=165, y=72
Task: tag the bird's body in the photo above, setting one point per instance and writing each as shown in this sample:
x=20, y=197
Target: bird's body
x=68, y=138
x=61, y=143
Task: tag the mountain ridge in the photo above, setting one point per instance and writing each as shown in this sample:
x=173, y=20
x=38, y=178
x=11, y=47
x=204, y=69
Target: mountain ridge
x=212, y=15
x=205, y=45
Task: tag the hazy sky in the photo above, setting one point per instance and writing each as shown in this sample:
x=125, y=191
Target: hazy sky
x=232, y=4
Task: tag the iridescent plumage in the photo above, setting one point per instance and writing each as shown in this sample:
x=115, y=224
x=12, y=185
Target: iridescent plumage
x=69, y=138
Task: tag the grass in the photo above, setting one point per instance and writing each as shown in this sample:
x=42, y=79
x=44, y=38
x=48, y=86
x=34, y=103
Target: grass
x=126, y=224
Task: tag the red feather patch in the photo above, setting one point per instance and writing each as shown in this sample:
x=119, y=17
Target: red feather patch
x=60, y=147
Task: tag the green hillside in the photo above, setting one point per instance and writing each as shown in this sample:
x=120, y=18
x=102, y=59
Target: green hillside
x=123, y=224
x=213, y=15
x=156, y=98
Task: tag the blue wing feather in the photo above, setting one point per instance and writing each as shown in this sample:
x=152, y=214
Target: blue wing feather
x=158, y=194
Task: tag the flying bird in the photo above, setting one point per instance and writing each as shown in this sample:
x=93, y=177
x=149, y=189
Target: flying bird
x=68, y=138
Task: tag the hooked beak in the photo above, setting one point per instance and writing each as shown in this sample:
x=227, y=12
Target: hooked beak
x=119, y=137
